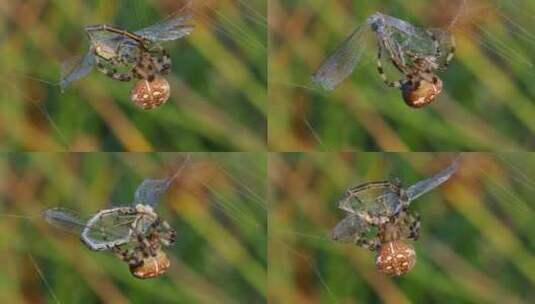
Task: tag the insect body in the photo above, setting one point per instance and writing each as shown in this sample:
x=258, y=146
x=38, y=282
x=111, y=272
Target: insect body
x=416, y=53
x=136, y=234
x=379, y=219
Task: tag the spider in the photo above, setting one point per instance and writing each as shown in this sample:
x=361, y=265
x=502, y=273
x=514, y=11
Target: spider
x=145, y=256
x=379, y=219
x=421, y=85
x=150, y=63
x=415, y=52
x=385, y=226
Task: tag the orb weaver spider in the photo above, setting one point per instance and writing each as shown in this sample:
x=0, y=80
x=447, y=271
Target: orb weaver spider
x=150, y=63
x=379, y=219
x=420, y=85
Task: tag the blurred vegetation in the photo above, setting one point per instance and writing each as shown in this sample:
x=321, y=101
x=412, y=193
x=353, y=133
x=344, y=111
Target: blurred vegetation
x=488, y=97
x=216, y=205
x=218, y=79
x=477, y=243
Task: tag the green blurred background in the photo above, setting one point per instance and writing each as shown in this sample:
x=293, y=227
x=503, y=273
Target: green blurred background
x=488, y=97
x=218, y=79
x=216, y=205
x=477, y=243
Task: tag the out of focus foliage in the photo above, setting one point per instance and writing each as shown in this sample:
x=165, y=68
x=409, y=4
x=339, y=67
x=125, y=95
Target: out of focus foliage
x=488, y=101
x=218, y=79
x=476, y=238
x=216, y=205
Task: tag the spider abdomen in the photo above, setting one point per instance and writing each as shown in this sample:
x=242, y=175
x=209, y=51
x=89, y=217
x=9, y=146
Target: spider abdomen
x=151, y=266
x=150, y=94
x=420, y=93
x=395, y=258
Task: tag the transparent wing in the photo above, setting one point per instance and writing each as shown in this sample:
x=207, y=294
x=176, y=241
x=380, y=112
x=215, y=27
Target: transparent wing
x=64, y=219
x=401, y=38
x=349, y=229
x=151, y=190
x=376, y=198
x=343, y=61
x=109, y=227
x=108, y=230
x=72, y=70
x=172, y=28
x=423, y=186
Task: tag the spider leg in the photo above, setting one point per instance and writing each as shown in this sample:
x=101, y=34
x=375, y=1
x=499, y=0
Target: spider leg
x=393, y=84
x=145, y=67
x=143, y=238
x=161, y=60
x=165, y=62
x=451, y=53
x=436, y=44
x=168, y=235
x=112, y=73
x=438, y=52
x=132, y=257
x=163, y=231
x=413, y=220
x=370, y=244
x=146, y=247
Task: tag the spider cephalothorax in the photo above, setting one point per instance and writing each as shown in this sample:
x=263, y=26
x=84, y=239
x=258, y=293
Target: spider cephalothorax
x=379, y=219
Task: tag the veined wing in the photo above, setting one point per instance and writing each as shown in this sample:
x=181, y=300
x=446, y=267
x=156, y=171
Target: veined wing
x=343, y=61
x=109, y=228
x=349, y=229
x=172, y=28
x=401, y=38
x=423, y=186
x=151, y=190
x=64, y=219
x=108, y=41
x=95, y=235
x=373, y=197
x=72, y=70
